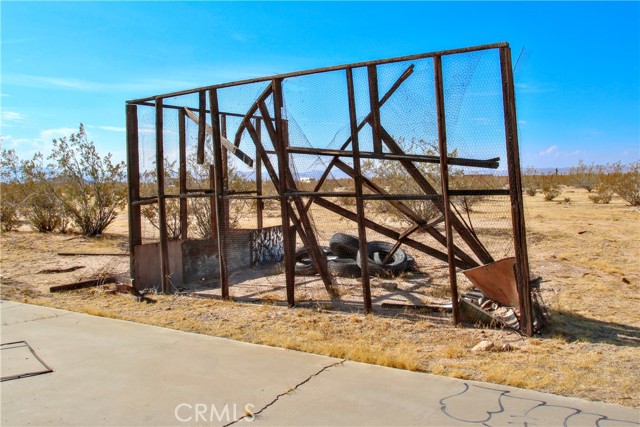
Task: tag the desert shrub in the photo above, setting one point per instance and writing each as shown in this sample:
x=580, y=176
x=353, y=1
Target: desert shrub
x=605, y=187
x=530, y=181
x=148, y=185
x=200, y=209
x=393, y=177
x=10, y=192
x=9, y=208
x=41, y=208
x=626, y=183
x=90, y=187
x=584, y=176
x=549, y=186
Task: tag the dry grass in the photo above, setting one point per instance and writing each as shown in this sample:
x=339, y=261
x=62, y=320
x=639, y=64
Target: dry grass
x=587, y=254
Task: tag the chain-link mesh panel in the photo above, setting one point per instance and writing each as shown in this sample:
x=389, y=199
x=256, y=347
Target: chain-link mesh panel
x=398, y=128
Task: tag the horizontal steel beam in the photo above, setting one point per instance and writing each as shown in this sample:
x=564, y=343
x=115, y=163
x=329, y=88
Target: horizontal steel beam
x=324, y=70
x=492, y=163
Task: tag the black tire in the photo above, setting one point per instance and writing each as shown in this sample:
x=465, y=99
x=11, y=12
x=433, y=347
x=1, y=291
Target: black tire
x=411, y=264
x=344, y=267
x=378, y=251
x=304, y=266
x=302, y=253
x=344, y=245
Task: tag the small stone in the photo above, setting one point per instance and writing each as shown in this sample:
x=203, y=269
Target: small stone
x=482, y=346
x=390, y=286
x=625, y=280
x=506, y=347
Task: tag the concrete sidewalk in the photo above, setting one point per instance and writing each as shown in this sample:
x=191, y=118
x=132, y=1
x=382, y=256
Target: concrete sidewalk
x=111, y=372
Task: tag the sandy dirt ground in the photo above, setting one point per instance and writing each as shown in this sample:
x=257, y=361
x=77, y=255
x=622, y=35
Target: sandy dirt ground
x=586, y=254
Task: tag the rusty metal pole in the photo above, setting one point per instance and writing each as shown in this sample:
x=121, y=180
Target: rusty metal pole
x=133, y=178
x=162, y=213
x=283, y=166
x=259, y=202
x=183, y=174
x=219, y=192
x=515, y=191
x=202, y=108
x=374, y=102
x=225, y=170
x=362, y=231
x=444, y=179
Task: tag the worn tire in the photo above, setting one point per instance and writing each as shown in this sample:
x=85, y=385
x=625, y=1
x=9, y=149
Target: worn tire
x=344, y=245
x=304, y=266
x=377, y=253
x=344, y=267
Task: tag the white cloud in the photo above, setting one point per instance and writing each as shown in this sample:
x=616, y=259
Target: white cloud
x=49, y=134
x=22, y=144
x=12, y=116
x=549, y=150
x=107, y=128
x=522, y=122
x=51, y=82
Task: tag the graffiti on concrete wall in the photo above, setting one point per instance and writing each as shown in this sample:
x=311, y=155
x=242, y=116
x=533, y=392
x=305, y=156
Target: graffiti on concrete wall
x=267, y=245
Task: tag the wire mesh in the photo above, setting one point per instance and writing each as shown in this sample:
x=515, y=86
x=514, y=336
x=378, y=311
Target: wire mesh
x=401, y=178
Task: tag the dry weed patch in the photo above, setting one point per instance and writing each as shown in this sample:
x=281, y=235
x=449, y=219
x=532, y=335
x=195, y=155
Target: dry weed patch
x=591, y=282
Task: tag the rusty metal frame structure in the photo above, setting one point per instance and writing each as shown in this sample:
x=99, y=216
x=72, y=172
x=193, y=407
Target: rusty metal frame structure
x=293, y=207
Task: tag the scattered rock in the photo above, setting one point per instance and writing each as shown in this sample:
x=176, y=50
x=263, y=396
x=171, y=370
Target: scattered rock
x=390, y=286
x=505, y=347
x=482, y=346
x=625, y=280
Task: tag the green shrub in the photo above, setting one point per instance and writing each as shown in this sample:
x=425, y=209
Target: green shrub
x=91, y=188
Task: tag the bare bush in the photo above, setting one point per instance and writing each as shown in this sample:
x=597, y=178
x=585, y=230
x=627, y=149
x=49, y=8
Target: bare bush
x=604, y=190
x=148, y=185
x=530, y=181
x=394, y=178
x=584, y=176
x=42, y=209
x=626, y=183
x=10, y=194
x=549, y=186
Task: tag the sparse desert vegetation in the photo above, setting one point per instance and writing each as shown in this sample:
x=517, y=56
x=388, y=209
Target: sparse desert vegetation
x=587, y=254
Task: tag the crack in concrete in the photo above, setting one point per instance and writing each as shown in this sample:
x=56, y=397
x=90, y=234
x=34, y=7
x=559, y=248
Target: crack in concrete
x=291, y=390
x=33, y=320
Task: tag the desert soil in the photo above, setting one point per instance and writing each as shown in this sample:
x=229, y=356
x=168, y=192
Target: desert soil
x=587, y=255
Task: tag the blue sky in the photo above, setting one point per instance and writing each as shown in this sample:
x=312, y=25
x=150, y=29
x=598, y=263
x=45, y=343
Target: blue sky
x=63, y=63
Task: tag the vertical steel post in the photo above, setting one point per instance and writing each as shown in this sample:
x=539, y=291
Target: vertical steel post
x=374, y=102
x=515, y=193
x=212, y=203
x=444, y=179
x=219, y=192
x=283, y=166
x=162, y=212
x=182, y=131
x=202, y=108
x=225, y=170
x=259, y=202
x=362, y=231
x=133, y=178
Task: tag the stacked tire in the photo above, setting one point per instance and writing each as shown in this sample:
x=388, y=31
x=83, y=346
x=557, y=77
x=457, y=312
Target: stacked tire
x=344, y=260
